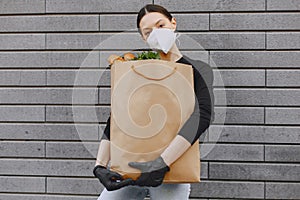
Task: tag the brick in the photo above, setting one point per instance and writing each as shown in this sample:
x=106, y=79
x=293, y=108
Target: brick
x=75, y=96
x=282, y=153
x=22, y=6
x=254, y=171
x=104, y=95
x=22, y=41
x=69, y=132
x=22, y=184
x=290, y=5
x=112, y=22
x=254, y=134
x=256, y=59
x=80, y=77
x=73, y=186
x=77, y=113
x=283, y=78
x=49, y=59
x=22, y=149
x=240, y=96
x=282, y=190
x=267, y=97
x=257, y=21
x=283, y=40
x=74, y=40
x=203, y=169
x=22, y=113
x=127, y=41
x=49, y=96
x=244, y=77
x=95, y=41
x=228, y=189
x=233, y=152
x=188, y=41
x=102, y=6
x=49, y=23
x=71, y=149
x=45, y=197
x=282, y=115
x=211, y=5
x=222, y=40
x=48, y=167
x=282, y=97
x=189, y=199
x=185, y=22
x=198, y=55
x=23, y=78
x=23, y=95
x=242, y=115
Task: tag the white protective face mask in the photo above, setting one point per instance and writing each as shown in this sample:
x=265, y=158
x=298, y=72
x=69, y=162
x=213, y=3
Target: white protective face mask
x=162, y=38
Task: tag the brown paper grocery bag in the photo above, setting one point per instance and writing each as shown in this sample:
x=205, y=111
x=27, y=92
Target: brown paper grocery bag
x=150, y=101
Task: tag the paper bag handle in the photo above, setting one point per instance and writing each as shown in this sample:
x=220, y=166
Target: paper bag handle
x=150, y=78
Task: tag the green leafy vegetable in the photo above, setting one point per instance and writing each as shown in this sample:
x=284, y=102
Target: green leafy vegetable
x=147, y=55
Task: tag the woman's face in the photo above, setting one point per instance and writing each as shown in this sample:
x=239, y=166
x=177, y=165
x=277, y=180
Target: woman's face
x=155, y=20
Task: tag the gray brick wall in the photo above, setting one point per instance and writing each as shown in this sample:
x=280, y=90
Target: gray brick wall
x=49, y=139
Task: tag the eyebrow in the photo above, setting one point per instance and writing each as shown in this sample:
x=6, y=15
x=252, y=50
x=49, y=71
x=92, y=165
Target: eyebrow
x=155, y=24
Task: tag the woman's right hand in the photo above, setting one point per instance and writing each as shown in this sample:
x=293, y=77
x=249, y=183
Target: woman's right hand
x=111, y=180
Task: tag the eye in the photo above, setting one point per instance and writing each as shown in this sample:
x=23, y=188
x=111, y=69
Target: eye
x=161, y=25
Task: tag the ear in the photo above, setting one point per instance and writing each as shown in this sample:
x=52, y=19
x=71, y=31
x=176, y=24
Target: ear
x=173, y=22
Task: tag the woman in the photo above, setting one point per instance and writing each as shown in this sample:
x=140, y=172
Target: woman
x=157, y=28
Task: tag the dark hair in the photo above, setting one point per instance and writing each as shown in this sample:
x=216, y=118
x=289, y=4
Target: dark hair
x=151, y=8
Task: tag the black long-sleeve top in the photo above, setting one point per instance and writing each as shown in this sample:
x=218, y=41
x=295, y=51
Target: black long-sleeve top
x=203, y=113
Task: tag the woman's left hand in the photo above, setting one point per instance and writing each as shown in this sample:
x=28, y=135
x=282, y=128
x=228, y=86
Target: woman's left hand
x=152, y=172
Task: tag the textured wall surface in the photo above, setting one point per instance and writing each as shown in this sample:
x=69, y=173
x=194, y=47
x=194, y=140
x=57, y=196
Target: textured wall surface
x=254, y=44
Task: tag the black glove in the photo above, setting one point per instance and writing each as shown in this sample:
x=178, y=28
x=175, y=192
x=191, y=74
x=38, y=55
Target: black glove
x=152, y=172
x=111, y=180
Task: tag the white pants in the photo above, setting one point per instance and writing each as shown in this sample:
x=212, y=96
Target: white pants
x=165, y=191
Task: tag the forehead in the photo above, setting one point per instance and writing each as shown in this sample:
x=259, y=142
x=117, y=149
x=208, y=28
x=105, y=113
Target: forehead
x=149, y=19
